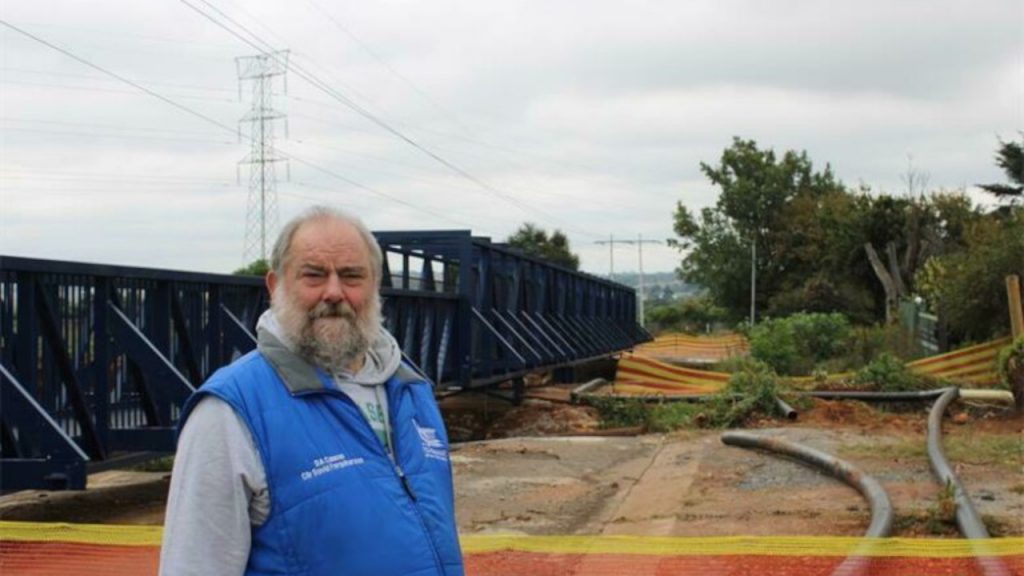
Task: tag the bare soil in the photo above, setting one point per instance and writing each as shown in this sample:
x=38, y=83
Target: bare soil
x=546, y=467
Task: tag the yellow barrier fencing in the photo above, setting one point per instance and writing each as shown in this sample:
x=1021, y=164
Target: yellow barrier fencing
x=972, y=366
x=45, y=549
x=641, y=374
x=695, y=349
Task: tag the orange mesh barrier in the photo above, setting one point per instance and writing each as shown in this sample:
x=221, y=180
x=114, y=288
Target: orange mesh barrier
x=973, y=366
x=685, y=347
x=534, y=564
x=72, y=558
x=637, y=374
x=66, y=549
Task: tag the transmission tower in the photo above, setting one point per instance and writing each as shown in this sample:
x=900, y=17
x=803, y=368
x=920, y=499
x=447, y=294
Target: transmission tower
x=261, y=213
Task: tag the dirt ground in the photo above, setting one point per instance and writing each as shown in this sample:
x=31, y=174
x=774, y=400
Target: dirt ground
x=690, y=484
x=546, y=468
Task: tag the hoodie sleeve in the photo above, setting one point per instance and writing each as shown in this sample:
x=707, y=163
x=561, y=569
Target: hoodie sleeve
x=218, y=491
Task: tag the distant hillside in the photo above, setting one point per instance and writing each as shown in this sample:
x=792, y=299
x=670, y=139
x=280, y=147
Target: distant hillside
x=659, y=285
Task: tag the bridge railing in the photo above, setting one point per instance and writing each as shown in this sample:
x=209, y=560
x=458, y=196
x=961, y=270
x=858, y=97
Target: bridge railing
x=515, y=313
x=97, y=360
x=108, y=354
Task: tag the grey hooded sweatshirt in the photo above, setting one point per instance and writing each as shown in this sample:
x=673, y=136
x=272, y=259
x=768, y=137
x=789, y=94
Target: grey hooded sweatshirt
x=218, y=485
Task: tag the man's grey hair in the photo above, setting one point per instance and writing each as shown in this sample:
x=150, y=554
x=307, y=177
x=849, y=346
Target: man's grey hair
x=283, y=245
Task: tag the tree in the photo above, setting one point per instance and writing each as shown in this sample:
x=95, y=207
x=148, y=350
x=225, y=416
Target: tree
x=757, y=189
x=1009, y=157
x=967, y=288
x=258, y=267
x=534, y=241
x=901, y=234
x=693, y=315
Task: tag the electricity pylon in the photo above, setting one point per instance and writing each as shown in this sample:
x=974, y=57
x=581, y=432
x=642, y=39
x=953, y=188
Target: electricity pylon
x=261, y=212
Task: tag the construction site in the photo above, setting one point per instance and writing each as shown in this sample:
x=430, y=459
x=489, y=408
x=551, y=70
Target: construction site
x=840, y=485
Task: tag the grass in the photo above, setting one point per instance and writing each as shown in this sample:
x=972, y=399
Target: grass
x=1003, y=451
x=162, y=464
x=987, y=450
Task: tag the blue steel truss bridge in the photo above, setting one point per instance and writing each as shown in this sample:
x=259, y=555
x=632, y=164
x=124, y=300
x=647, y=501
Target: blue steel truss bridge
x=96, y=361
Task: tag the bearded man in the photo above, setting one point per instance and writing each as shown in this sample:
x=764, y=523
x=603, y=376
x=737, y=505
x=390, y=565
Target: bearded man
x=320, y=452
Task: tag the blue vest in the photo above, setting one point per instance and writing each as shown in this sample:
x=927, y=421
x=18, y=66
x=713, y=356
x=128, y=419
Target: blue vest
x=339, y=506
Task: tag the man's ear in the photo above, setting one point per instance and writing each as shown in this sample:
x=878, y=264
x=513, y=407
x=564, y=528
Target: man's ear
x=271, y=280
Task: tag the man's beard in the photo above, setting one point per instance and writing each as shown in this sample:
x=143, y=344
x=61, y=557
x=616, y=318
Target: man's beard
x=331, y=335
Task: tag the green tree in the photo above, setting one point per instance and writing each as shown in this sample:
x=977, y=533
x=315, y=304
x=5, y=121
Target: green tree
x=1009, y=157
x=534, y=241
x=693, y=314
x=967, y=288
x=258, y=267
x=757, y=189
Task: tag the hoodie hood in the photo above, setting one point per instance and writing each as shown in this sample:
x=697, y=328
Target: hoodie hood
x=383, y=358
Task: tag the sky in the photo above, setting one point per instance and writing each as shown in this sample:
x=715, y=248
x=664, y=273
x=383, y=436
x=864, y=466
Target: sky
x=122, y=138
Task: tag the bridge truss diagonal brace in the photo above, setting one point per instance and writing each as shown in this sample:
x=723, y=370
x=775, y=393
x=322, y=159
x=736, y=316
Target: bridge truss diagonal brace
x=169, y=384
x=236, y=335
x=497, y=335
x=61, y=463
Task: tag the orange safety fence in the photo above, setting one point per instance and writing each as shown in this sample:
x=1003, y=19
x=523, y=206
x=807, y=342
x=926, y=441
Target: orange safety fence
x=973, y=365
x=687, y=347
x=639, y=374
x=43, y=549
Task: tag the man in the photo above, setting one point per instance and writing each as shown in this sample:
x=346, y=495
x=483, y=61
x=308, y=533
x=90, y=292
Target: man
x=320, y=452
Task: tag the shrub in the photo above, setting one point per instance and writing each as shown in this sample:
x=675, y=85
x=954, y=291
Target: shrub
x=1010, y=359
x=1011, y=368
x=751, y=390
x=694, y=315
x=620, y=412
x=796, y=344
x=868, y=342
x=672, y=416
x=887, y=373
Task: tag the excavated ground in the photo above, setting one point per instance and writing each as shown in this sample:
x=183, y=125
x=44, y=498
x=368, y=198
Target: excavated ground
x=546, y=468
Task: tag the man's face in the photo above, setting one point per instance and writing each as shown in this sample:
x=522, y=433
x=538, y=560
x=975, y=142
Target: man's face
x=326, y=297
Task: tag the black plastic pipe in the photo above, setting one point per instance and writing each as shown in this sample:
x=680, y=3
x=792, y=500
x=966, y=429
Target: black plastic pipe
x=967, y=519
x=788, y=411
x=881, y=507
x=859, y=561
x=876, y=396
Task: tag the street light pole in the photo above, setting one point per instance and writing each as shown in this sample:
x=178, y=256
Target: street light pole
x=753, y=279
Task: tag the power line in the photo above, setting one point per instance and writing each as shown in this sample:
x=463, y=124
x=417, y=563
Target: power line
x=135, y=85
x=213, y=121
x=110, y=176
x=373, y=54
x=101, y=78
x=118, y=136
x=265, y=48
x=102, y=126
x=108, y=90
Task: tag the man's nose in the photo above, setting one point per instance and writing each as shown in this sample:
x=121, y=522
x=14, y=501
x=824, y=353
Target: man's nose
x=334, y=291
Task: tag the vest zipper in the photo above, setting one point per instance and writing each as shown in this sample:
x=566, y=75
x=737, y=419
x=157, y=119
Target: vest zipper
x=405, y=482
x=402, y=478
x=392, y=407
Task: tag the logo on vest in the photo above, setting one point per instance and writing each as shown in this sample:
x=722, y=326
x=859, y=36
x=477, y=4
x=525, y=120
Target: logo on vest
x=329, y=464
x=432, y=445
